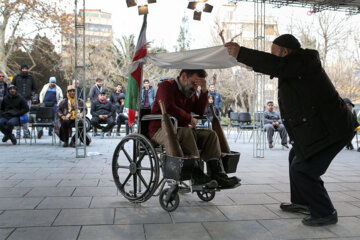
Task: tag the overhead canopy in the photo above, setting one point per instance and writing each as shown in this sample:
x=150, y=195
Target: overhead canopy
x=350, y=6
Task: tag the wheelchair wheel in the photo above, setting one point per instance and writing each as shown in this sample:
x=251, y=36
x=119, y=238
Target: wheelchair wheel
x=169, y=203
x=88, y=124
x=206, y=196
x=135, y=168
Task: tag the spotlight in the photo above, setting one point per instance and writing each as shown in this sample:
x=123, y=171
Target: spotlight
x=142, y=5
x=130, y=3
x=199, y=6
x=143, y=10
x=197, y=15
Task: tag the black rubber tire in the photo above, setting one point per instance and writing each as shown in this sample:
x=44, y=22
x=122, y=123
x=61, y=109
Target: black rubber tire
x=172, y=204
x=206, y=196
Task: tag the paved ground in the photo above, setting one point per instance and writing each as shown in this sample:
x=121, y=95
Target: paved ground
x=46, y=193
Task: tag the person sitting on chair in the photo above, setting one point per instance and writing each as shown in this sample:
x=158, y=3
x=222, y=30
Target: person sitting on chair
x=180, y=100
x=66, y=117
x=122, y=115
x=12, y=107
x=102, y=111
x=272, y=122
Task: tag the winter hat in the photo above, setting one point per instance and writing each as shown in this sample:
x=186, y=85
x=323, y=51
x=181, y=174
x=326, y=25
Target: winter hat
x=52, y=79
x=70, y=87
x=121, y=96
x=346, y=100
x=11, y=86
x=24, y=66
x=287, y=41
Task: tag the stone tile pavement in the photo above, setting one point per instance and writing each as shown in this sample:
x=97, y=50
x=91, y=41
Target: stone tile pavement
x=47, y=193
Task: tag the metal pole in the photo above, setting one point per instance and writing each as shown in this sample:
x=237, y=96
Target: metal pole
x=79, y=69
x=259, y=80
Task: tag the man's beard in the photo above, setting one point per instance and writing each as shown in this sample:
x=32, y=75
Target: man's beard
x=188, y=92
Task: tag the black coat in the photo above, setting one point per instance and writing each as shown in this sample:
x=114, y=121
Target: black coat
x=13, y=106
x=311, y=109
x=98, y=108
x=25, y=85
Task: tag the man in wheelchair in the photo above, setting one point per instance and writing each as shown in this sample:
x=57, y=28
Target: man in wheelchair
x=180, y=99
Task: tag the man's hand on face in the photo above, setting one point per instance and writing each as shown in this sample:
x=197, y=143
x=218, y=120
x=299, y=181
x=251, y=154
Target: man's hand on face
x=105, y=116
x=233, y=49
x=193, y=122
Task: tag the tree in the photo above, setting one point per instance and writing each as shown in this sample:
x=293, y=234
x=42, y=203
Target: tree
x=20, y=19
x=184, y=38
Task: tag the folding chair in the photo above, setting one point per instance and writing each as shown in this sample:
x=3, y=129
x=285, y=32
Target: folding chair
x=44, y=118
x=234, y=122
x=244, y=123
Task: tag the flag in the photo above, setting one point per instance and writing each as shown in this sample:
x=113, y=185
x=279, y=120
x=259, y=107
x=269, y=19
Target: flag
x=134, y=82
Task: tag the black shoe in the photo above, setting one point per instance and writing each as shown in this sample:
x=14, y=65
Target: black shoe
x=270, y=145
x=72, y=144
x=66, y=144
x=315, y=222
x=200, y=178
x=50, y=133
x=13, y=139
x=296, y=208
x=5, y=139
x=285, y=145
x=40, y=134
x=216, y=174
x=358, y=149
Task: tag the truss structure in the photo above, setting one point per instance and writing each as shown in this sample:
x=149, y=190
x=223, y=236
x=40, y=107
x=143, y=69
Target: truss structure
x=351, y=7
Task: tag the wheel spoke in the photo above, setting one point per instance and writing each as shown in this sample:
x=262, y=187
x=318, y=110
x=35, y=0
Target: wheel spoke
x=127, y=155
x=126, y=180
x=142, y=179
x=144, y=168
x=141, y=158
x=135, y=184
x=122, y=166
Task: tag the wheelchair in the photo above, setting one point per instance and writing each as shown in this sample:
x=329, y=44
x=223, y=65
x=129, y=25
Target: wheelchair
x=141, y=170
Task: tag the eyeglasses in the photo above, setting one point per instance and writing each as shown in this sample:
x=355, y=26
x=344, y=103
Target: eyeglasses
x=71, y=91
x=2, y=76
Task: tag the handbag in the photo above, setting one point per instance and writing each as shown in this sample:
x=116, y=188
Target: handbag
x=24, y=119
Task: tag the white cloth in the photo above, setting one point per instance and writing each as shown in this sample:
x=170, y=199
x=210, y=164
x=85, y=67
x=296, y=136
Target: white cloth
x=204, y=58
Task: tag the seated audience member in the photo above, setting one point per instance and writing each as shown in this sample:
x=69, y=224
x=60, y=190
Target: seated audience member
x=50, y=95
x=102, y=111
x=122, y=115
x=12, y=107
x=147, y=95
x=272, y=122
x=66, y=117
x=351, y=106
x=208, y=111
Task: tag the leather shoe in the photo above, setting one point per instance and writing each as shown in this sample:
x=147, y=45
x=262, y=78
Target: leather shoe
x=323, y=221
x=285, y=145
x=5, y=139
x=13, y=139
x=296, y=208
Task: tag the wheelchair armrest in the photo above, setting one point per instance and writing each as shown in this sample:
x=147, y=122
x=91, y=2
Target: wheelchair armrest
x=150, y=117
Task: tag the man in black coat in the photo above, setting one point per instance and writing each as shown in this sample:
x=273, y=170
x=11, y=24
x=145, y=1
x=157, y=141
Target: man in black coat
x=317, y=121
x=12, y=107
x=102, y=111
x=26, y=88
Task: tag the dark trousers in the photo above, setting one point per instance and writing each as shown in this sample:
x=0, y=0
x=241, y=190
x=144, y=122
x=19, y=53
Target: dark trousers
x=66, y=130
x=122, y=119
x=7, y=125
x=95, y=121
x=306, y=185
x=270, y=129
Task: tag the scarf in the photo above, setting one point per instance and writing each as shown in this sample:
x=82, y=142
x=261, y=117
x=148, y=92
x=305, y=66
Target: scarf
x=71, y=107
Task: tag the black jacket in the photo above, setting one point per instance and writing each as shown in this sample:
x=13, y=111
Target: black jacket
x=98, y=108
x=25, y=85
x=13, y=106
x=311, y=109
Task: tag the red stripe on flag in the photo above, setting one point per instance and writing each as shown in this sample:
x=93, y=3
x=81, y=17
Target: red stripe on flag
x=131, y=117
x=137, y=75
x=140, y=53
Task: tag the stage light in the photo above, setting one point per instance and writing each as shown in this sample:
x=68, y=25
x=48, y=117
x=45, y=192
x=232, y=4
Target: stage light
x=143, y=10
x=142, y=5
x=197, y=15
x=130, y=3
x=199, y=7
